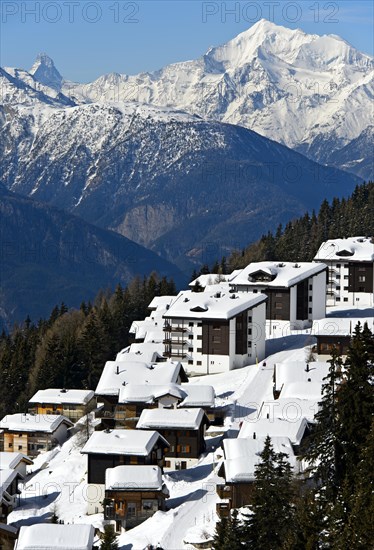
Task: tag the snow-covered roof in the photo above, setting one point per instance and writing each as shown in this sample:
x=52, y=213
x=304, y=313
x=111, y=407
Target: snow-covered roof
x=212, y=305
x=147, y=393
x=23, y=422
x=11, y=460
x=189, y=395
x=212, y=279
x=283, y=274
x=149, y=330
x=161, y=303
x=209, y=279
x=171, y=418
x=123, y=442
x=48, y=536
x=117, y=374
x=134, y=478
x=291, y=408
x=339, y=326
x=62, y=396
x=153, y=350
x=142, y=353
x=198, y=396
x=352, y=249
x=242, y=456
x=292, y=372
x=6, y=478
x=302, y=390
x=280, y=427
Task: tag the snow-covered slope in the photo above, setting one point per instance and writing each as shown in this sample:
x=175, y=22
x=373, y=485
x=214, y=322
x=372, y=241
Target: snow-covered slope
x=166, y=179
x=287, y=85
x=312, y=93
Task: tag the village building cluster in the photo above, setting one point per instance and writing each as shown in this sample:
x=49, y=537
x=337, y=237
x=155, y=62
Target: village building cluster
x=149, y=418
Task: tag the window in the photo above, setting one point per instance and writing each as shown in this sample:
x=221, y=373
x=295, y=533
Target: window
x=362, y=268
x=345, y=299
x=249, y=344
x=216, y=327
x=338, y=287
x=278, y=294
x=199, y=350
x=337, y=265
x=186, y=448
x=278, y=305
x=167, y=464
x=200, y=337
x=255, y=290
x=338, y=299
x=190, y=336
x=338, y=276
x=310, y=310
x=361, y=278
x=190, y=362
x=345, y=288
x=310, y=287
x=150, y=505
x=172, y=448
x=249, y=319
x=361, y=289
x=20, y=447
x=212, y=362
x=199, y=363
x=199, y=324
x=190, y=349
x=346, y=266
x=250, y=331
x=10, y=445
x=346, y=277
x=131, y=509
x=190, y=324
x=217, y=338
x=310, y=299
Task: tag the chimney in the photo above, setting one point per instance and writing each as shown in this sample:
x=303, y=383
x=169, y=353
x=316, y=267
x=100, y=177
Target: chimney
x=254, y=435
x=307, y=367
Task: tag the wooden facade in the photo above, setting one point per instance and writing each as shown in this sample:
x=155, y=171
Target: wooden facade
x=216, y=337
x=99, y=463
x=360, y=277
x=8, y=536
x=72, y=411
x=184, y=443
x=278, y=304
x=130, y=508
x=28, y=443
x=234, y=495
x=326, y=343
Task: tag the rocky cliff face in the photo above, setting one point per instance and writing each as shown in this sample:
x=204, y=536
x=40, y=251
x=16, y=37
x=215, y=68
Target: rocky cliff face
x=169, y=180
x=48, y=256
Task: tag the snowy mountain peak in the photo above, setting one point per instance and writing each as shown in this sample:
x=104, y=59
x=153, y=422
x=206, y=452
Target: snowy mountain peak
x=45, y=72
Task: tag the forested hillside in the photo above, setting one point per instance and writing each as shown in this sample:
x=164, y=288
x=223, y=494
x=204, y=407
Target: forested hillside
x=71, y=347
x=300, y=239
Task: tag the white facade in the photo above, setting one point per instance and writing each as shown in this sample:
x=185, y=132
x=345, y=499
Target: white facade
x=186, y=340
x=351, y=266
x=282, y=283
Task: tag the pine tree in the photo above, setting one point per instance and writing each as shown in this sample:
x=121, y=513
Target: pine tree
x=109, y=541
x=272, y=513
x=356, y=399
x=324, y=450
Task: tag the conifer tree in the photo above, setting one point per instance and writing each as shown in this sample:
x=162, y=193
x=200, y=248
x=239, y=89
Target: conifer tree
x=324, y=449
x=272, y=512
x=109, y=541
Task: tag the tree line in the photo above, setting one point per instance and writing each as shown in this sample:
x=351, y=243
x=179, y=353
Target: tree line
x=70, y=348
x=332, y=505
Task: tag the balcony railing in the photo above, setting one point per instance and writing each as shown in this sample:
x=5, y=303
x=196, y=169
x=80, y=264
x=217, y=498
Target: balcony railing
x=174, y=328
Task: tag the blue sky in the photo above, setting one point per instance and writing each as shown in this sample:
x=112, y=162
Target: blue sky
x=89, y=38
